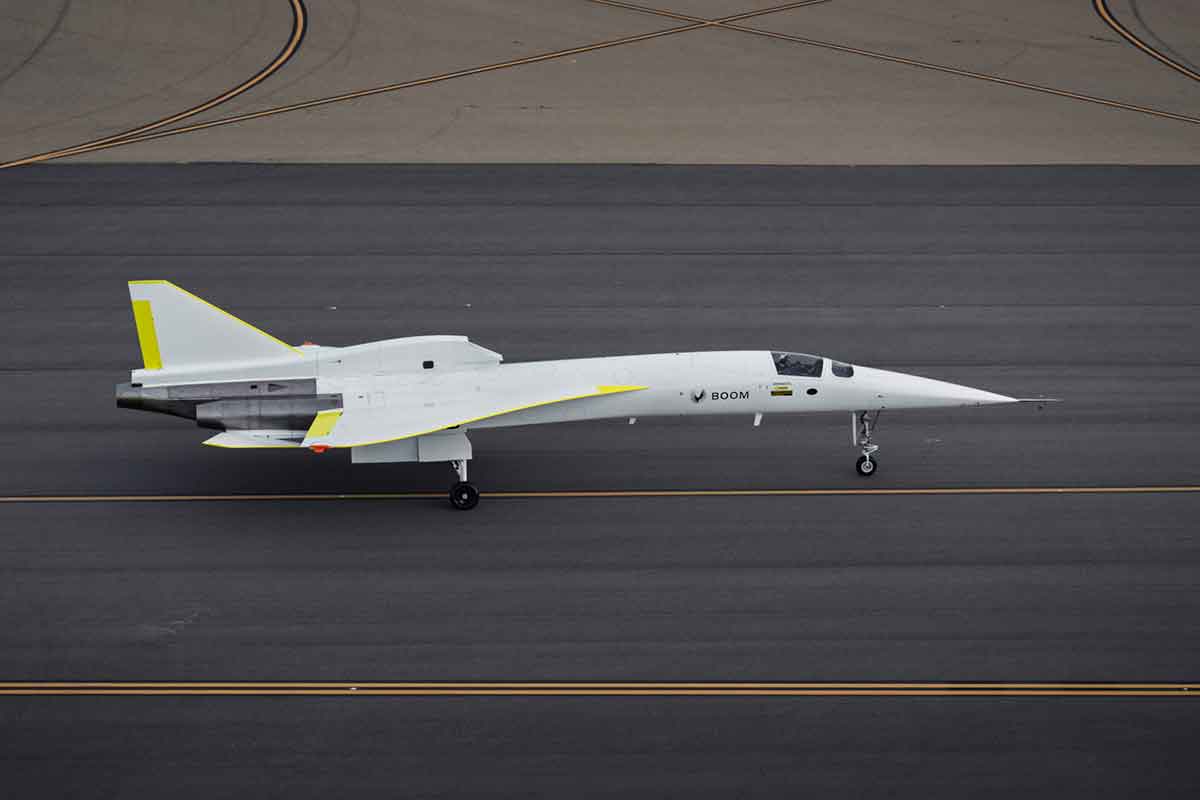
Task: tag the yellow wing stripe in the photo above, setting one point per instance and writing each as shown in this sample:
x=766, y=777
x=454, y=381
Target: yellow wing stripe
x=143, y=318
x=259, y=331
x=600, y=391
x=322, y=424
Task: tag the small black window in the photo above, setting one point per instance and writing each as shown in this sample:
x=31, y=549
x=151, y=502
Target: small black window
x=843, y=370
x=275, y=387
x=811, y=391
x=800, y=364
x=427, y=364
x=254, y=387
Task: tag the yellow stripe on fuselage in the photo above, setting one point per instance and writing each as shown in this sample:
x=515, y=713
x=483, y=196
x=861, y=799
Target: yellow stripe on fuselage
x=143, y=318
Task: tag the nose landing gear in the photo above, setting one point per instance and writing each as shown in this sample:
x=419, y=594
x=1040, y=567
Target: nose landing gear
x=463, y=495
x=862, y=424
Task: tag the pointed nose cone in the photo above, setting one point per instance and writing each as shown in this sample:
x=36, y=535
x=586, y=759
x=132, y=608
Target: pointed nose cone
x=900, y=390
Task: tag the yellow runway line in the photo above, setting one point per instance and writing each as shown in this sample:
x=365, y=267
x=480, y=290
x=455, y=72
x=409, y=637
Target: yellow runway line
x=594, y=689
x=607, y=493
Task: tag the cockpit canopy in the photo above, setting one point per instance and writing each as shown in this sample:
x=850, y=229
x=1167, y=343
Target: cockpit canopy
x=798, y=364
x=805, y=366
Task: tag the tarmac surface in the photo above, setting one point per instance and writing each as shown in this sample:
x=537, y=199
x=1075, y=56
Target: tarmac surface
x=1071, y=282
x=587, y=81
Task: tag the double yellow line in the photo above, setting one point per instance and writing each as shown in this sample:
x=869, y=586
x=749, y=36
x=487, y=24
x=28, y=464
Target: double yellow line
x=145, y=134
x=595, y=689
x=1110, y=20
x=153, y=130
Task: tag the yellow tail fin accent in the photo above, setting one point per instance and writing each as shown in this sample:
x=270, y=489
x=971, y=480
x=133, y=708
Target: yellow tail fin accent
x=143, y=318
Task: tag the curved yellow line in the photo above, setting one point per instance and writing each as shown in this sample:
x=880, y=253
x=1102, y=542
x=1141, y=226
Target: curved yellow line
x=1102, y=9
x=299, y=24
x=445, y=76
x=909, y=62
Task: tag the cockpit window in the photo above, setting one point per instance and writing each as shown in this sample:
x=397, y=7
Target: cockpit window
x=842, y=370
x=800, y=364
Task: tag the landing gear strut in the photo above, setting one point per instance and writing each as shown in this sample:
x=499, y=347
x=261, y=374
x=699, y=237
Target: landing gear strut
x=862, y=424
x=463, y=495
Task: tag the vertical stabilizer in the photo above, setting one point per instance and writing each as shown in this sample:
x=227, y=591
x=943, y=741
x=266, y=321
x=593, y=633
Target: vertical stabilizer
x=178, y=330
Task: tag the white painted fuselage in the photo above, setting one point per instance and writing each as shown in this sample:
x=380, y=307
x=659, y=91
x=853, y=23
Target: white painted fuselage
x=742, y=382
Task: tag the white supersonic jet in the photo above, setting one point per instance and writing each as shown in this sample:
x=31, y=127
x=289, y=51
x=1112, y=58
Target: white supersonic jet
x=416, y=398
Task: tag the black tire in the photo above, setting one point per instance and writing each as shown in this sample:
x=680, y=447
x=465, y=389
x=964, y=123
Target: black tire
x=866, y=467
x=464, y=496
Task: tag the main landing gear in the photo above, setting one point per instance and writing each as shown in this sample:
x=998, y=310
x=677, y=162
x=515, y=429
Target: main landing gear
x=463, y=495
x=862, y=423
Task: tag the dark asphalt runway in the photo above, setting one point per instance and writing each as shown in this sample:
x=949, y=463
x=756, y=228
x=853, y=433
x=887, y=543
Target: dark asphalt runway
x=1078, y=283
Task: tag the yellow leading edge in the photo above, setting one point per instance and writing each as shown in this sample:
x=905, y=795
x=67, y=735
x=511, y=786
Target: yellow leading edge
x=143, y=318
x=201, y=300
x=323, y=424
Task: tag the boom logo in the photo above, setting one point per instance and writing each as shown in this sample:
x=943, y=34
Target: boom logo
x=730, y=395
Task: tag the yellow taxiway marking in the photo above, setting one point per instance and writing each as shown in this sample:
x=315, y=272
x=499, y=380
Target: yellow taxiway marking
x=605, y=493
x=599, y=689
x=1106, y=14
x=129, y=138
x=152, y=131
x=299, y=24
x=908, y=62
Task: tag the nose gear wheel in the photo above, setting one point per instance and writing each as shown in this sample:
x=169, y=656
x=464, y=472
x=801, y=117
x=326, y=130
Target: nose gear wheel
x=862, y=426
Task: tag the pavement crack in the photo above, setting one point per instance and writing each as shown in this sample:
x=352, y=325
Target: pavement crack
x=54, y=29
